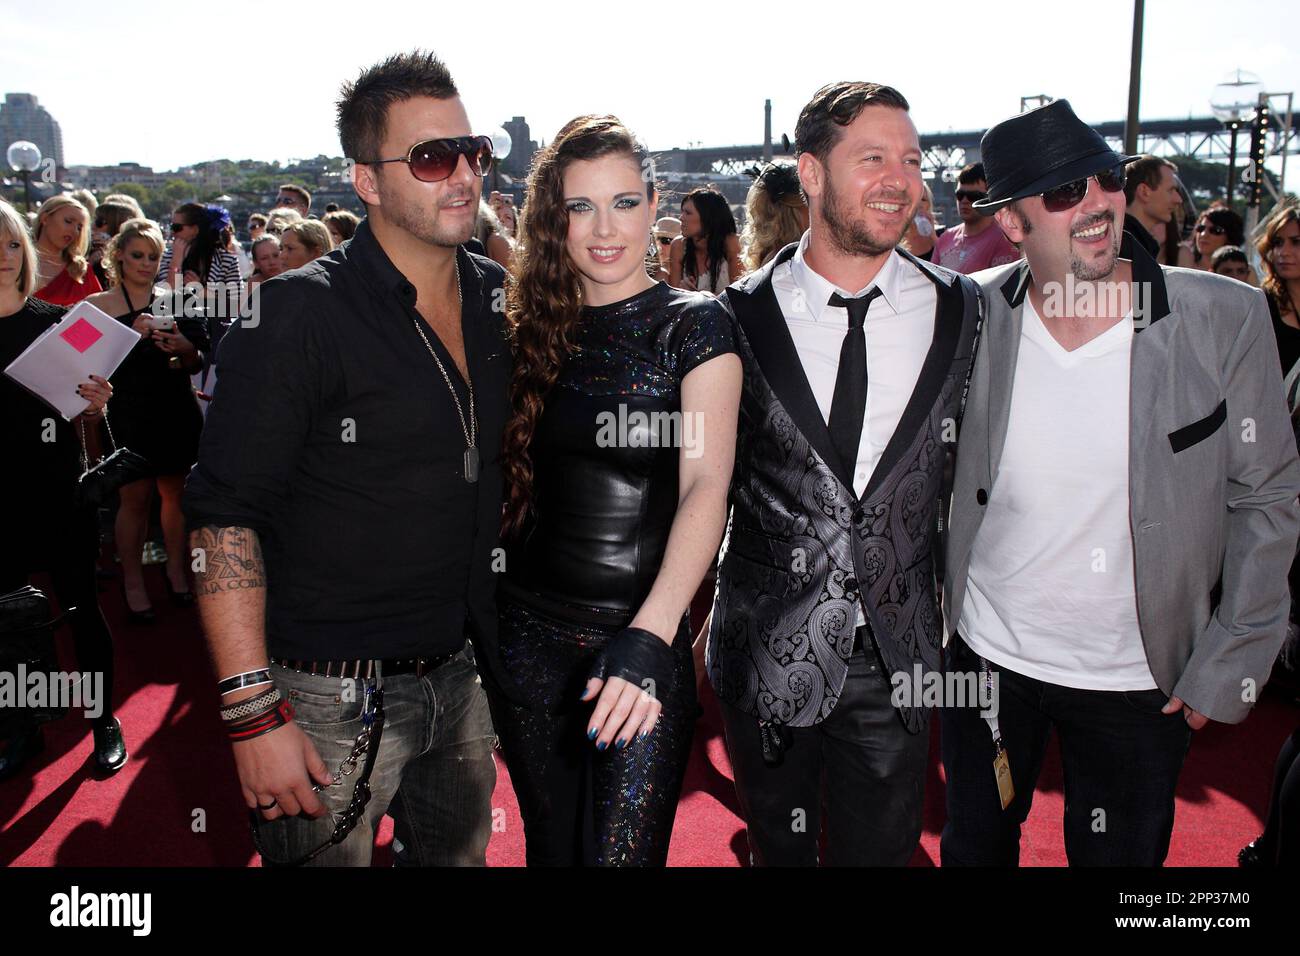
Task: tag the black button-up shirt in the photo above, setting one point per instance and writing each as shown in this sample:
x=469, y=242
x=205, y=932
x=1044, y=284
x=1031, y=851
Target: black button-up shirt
x=334, y=436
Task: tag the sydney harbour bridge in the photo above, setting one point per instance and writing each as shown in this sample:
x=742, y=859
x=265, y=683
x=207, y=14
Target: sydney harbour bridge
x=944, y=153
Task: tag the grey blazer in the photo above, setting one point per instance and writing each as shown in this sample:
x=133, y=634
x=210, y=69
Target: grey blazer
x=1213, y=476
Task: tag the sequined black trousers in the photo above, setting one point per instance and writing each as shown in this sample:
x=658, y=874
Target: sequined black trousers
x=582, y=806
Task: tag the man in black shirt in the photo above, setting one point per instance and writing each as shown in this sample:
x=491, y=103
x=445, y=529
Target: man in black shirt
x=346, y=503
x=1151, y=190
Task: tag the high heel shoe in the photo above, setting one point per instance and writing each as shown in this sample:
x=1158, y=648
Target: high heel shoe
x=179, y=598
x=146, y=616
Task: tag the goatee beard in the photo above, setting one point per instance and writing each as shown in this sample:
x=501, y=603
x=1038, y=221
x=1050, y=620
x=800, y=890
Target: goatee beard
x=851, y=237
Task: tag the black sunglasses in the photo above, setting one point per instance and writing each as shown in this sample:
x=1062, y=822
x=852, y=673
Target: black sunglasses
x=1069, y=195
x=435, y=160
x=178, y=226
x=973, y=195
x=1211, y=228
x=665, y=240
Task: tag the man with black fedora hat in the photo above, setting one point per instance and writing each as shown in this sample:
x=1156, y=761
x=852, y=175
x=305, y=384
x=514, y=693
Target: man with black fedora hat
x=1124, y=511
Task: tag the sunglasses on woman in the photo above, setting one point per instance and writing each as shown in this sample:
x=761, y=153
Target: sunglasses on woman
x=1211, y=229
x=435, y=159
x=178, y=226
x=1069, y=195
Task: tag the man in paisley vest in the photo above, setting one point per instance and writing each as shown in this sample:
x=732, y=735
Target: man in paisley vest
x=856, y=357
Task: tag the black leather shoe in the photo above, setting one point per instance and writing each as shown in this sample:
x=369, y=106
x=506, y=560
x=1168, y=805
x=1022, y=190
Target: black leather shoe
x=1252, y=854
x=110, y=747
x=20, y=750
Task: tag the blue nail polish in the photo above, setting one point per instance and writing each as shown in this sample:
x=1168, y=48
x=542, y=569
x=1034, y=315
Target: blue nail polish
x=591, y=734
x=584, y=694
x=643, y=735
x=620, y=743
x=602, y=745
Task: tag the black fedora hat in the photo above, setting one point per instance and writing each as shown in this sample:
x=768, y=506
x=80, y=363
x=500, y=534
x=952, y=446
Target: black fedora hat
x=1038, y=150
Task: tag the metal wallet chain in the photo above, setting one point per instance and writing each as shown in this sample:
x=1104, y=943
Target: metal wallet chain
x=366, y=745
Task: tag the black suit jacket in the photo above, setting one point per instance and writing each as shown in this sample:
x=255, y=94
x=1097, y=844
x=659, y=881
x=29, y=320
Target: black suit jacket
x=802, y=549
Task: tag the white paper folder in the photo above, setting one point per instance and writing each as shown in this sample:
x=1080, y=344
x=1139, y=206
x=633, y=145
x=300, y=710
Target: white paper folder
x=86, y=342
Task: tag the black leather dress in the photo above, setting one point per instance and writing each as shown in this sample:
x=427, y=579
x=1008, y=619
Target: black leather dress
x=605, y=464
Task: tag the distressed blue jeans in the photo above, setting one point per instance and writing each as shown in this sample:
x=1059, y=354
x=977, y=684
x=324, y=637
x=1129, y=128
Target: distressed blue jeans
x=434, y=773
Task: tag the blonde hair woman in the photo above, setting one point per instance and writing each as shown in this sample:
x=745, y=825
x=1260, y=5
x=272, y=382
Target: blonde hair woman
x=45, y=529
x=280, y=218
x=303, y=241
x=62, y=234
x=155, y=412
x=775, y=214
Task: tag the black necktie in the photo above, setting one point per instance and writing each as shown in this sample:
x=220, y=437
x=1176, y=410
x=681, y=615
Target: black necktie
x=849, y=405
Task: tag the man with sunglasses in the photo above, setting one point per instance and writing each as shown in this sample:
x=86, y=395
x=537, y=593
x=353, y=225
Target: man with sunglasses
x=1124, y=512
x=976, y=243
x=295, y=197
x=347, y=500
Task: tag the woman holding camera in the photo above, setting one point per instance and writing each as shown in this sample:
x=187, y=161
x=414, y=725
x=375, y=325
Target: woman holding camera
x=45, y=530
x=155, y=412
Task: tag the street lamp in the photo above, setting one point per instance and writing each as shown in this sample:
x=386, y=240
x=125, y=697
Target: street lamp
x=1234, y=102
x=24, y=157
x=501, y=146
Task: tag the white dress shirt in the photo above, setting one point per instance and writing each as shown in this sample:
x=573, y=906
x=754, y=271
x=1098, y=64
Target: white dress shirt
x=899, y=328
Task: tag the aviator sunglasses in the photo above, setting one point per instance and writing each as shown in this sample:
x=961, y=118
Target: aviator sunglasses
x=1069, y=195
x=435, y=159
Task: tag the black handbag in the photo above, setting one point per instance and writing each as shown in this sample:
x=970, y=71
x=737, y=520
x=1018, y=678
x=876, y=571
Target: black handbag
x=27, y=638
x=96, y=485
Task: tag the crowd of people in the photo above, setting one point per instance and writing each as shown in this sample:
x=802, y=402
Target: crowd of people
x=492, y=569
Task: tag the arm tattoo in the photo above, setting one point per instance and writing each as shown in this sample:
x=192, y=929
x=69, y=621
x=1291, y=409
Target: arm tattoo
x=232, y=562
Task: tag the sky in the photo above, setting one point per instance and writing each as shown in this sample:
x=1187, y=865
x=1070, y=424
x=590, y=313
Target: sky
x=173, y=83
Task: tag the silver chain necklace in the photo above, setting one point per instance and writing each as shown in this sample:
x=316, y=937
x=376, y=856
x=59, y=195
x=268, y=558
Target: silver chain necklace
x=470, y=428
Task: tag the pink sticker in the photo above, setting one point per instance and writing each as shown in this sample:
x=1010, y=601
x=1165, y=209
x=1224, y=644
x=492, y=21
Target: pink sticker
x=81, y=335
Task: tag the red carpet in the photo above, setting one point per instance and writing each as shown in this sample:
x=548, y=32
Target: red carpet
x=177, y=802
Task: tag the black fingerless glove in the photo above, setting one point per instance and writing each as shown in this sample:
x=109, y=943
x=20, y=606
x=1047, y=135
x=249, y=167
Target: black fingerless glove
x=640, y=658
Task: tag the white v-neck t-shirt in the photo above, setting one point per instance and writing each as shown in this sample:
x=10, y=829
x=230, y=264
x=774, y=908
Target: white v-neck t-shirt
x=1050, y=592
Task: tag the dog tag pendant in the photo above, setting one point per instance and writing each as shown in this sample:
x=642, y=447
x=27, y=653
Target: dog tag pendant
x=471, y=464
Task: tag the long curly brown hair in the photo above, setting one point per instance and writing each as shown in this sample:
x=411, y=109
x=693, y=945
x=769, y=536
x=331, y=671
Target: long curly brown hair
x=544, y=294
x=1282, y=216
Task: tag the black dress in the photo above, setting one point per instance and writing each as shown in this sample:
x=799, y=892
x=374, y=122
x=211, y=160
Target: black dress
x=44, y=529
x=154, y=411
x=605, y=464
x=1288, y=337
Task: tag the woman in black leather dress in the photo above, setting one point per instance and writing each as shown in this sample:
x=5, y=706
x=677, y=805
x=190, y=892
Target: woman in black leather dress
x=617, y=458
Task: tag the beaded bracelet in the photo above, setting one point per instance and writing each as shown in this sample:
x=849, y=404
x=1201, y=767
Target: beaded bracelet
x=247, y=708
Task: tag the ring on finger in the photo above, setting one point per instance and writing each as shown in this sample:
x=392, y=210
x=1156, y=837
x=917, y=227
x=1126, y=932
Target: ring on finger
x=268, y=806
